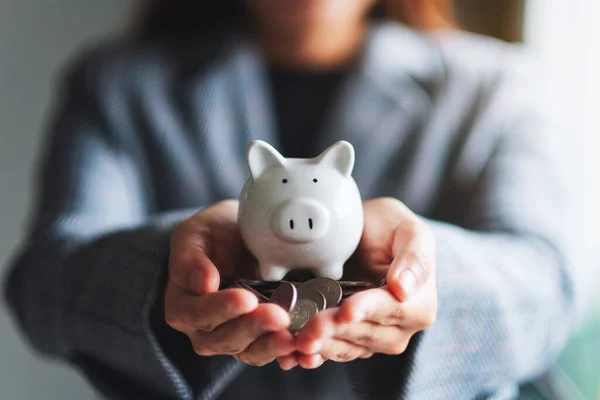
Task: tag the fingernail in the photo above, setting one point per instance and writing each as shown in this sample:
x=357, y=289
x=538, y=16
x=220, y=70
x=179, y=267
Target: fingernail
x=287, y=367
x=320, y=362
x=408, y=280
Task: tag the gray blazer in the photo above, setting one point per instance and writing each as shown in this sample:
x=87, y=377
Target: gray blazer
x=147, y=133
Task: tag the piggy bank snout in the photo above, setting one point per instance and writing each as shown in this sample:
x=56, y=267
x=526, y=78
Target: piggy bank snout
x=301, y=220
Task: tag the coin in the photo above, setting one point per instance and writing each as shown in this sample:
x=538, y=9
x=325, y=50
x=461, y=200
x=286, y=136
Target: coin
x=285, y=296
x=308, y=291
x=355, y=284
x=330, y=288
x=261, y=298
x=305, y=308
x=347, y=293
x=261, y=285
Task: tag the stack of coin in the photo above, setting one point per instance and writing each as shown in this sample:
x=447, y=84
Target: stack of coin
x=304, y=299
x=241, y=284
x=307, y=299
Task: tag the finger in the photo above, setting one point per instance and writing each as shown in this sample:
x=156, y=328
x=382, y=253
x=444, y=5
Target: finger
x=310, y=361
x=374, y=337
x=267, y=348
x=374, y=305
x=184, y=311
x=406, y=276
x=236, y=335
x=320, y=328
x=191, y=269
x=339, y=350
x=414, y=262
x=383, y=308
x=288, y=361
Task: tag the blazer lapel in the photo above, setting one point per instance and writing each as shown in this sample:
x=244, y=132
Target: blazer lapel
x=378, y=106
x=380, y=103
x=231, y=106
x=253, y=95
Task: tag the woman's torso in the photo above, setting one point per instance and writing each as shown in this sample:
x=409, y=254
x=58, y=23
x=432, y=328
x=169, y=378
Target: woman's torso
x=424, y=116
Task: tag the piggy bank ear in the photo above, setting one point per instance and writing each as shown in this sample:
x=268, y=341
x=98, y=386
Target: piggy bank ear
x=261, y=156
x=340, y=156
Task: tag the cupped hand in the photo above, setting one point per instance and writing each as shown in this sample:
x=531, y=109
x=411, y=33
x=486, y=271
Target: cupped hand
x=395, y=244
x=204, y=248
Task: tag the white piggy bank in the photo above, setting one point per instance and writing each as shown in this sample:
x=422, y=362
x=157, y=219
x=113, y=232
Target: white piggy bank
x=300, y=213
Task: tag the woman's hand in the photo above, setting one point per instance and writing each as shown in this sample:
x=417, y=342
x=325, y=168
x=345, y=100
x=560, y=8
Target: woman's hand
x=204, y=248
x=395, y=244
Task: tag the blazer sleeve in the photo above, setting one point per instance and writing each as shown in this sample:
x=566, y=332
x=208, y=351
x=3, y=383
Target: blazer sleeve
x=86, y=285
x=506, y=275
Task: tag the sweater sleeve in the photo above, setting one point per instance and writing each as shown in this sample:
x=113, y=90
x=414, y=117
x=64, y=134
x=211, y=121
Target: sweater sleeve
x=506, y=274
x=86, y=284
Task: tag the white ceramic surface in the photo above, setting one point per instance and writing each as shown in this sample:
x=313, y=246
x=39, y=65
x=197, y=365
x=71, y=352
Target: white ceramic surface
x=300, y=213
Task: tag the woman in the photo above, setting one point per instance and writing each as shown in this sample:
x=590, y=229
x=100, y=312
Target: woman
x=132, y=233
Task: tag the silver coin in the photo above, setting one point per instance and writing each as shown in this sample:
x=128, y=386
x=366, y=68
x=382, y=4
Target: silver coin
x=356, y=284
x=351, y=292
x=286, y=296
x=308, y=291
x=260, y=296
x=260, y=285
x=305, y=308
x=330, y=288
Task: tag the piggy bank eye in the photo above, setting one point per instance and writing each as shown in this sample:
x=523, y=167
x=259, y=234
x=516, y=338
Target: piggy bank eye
x=315, y=180
x=284, y=181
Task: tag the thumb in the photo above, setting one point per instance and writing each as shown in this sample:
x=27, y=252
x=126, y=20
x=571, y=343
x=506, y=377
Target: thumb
x=193, y=271
x=407, y=274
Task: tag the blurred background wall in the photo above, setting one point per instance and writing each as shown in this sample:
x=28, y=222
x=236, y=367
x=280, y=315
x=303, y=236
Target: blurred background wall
x=36, y=37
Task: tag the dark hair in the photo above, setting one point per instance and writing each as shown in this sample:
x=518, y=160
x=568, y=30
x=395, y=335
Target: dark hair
x=184, y=18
